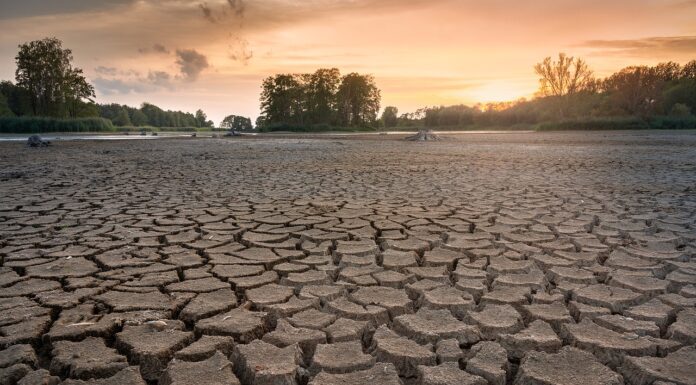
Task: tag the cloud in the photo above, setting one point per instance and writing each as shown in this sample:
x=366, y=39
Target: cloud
x=238, y=7
x=191, y=63
x=156, y=48
x=159, y=48
x=109, y=71
x=113, y=81
x=239, y=50
x=28, y=8
x=646, y=47
x=113, y=86
x=159, y=78
x=207, y=12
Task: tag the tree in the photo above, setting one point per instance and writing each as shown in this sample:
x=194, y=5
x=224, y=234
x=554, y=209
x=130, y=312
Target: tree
x=683, y=92
x=680, y=110
x=45, y=70
x=635, y=90
x=668, y=71
x=389, y=116
x=202, y=119
x=358, y=100
x=563, y=78
x=260, y=122
x=689, y=70
x=322, y=97
x=137, y=117
x=5, y=110
x=236, y=123
x=282, y=99
x=322, y=87
x=17, y=98
x=121, y=118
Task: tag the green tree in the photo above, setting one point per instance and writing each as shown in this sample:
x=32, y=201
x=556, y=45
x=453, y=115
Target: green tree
x=636, y=90
x=17, y=98
x=260, y=122
x=358, y=100
x=321, y=89
x=562, y=79
x=154, y=114
x=680, y=110
x=688, y=71
x=682, y=92
x=202, y=119
x=237, y=123
x=137, y=117
x=282, y=99
x=45, y=70
x=121, y=118
x=389, y=116
x=5, y=110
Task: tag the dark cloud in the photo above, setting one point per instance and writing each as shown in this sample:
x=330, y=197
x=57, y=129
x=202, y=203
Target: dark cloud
x=113, y=81
x=156, y=48
x=191, y=63
x=111, y=86
x=238, y=7
x=109, y=71
x=647, y=47
x=159, y=48
x=207, y=12
x=239, y=50
x=10, y=9
x=159, y=78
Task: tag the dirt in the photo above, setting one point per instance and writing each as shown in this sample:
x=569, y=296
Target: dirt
x=506, y=258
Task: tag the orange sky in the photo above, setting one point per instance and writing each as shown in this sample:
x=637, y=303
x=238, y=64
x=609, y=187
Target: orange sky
x=421, y=52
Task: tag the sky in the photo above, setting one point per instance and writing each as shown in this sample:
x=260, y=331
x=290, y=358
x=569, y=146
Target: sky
x=214, y=54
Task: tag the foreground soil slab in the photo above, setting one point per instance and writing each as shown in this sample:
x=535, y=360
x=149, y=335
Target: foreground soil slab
x=508, y=258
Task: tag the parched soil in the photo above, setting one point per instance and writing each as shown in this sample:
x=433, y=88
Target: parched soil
x=500, y=258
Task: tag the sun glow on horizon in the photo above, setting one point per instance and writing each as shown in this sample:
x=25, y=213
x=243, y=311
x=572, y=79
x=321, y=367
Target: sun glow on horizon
x=421, y=52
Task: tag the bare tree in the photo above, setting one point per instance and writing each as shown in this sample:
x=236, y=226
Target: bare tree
x=563, y=78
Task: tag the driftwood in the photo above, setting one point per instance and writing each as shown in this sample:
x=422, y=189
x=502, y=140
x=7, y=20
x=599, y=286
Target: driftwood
x=424, y=135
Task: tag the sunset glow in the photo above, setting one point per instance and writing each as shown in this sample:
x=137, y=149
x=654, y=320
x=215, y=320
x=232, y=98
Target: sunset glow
x=420, y=52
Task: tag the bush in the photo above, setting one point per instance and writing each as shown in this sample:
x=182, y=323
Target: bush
x=37, y=125
x=279, y=127
x=610, y=123
x=166, y=129
x=622, y=123
x=673, y=122
x=680, y=110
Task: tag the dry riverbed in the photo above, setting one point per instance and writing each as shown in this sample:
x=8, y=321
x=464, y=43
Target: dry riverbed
x=525, y=258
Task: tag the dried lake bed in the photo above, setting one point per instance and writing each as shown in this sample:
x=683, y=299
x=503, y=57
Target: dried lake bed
x=485, y=258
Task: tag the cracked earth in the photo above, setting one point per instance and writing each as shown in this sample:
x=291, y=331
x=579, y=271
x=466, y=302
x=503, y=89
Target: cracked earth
x=482, y=259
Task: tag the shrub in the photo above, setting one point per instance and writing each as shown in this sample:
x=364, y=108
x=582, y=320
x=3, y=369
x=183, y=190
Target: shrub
x=673, y=122
x=36, y=125
x=279, y=127
x=610, y=123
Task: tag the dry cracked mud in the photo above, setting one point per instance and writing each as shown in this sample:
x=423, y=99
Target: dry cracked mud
x=525, y=258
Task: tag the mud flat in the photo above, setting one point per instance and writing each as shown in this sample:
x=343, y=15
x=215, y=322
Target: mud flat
x=499, y=258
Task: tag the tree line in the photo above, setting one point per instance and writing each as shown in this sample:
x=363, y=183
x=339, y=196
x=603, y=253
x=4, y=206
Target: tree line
x=320, y=99
x=48, y=86
x=569, y=90
x=150, y=115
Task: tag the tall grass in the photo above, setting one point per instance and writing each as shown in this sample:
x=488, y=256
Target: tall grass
x=37, y=125
x=621, y=123
x=167, y=129
x=312, y=128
